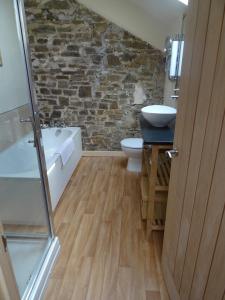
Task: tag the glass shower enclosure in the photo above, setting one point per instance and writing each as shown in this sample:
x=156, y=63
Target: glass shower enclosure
x=26, y=230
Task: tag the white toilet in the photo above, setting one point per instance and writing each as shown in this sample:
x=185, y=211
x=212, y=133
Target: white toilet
x=133, y=149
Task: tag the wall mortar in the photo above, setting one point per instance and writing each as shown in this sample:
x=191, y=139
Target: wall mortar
x=87, y=72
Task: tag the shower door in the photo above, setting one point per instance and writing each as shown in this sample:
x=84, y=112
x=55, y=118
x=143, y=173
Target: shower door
x=24, y=209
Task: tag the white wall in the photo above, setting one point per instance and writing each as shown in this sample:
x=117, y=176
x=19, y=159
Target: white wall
x=13, y=81
x=168, y=92
x=132, y=18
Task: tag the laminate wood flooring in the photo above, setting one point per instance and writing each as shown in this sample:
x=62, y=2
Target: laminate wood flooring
x=104, y=252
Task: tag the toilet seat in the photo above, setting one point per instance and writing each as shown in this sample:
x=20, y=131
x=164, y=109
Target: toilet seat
x=132, y=143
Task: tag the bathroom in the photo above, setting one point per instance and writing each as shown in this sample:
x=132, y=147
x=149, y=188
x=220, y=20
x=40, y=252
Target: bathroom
x=105, y=193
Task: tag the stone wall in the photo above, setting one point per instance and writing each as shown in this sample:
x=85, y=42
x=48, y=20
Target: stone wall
x=90, y=72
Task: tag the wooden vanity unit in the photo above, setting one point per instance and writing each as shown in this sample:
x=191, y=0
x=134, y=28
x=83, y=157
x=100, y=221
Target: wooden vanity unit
x=155, y=174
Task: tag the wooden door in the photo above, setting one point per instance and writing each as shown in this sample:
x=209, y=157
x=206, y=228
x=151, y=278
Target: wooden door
x=194, y=243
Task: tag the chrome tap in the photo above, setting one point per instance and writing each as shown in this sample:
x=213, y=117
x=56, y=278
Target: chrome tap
x=63, y=124
x=43, y=125
x=60, y=124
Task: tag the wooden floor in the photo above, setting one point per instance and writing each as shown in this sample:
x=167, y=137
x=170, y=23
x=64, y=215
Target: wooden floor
x=104, y=252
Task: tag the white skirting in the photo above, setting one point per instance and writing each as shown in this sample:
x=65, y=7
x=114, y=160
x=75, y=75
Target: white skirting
x=104, y=153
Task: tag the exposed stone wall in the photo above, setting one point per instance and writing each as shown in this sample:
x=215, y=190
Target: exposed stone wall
x=91, y=73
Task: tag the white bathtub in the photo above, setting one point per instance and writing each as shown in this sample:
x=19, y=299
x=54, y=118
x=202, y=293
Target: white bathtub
x=20, y=190
x=59, y=175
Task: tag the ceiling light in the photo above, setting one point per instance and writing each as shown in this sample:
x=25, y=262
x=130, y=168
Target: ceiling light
x=184, y=1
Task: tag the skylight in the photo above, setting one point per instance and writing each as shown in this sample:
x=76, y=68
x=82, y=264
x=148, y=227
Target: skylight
x=184, y=1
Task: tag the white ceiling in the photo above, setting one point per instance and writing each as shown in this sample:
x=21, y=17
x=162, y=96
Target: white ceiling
x=164, y=11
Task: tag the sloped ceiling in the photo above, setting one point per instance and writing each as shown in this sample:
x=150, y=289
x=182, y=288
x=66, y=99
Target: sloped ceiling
x=165, y=11
x=150, y=20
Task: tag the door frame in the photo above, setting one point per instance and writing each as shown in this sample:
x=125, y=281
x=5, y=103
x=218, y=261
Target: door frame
x=8, y=286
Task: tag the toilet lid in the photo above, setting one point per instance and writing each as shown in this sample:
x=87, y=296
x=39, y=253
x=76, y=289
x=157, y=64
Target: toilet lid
x=133, y=143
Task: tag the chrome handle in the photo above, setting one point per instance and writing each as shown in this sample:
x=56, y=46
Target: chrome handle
x=28, y=120
x=174, y=96
x=44, y=126
x=176, y=90
x=172, y=153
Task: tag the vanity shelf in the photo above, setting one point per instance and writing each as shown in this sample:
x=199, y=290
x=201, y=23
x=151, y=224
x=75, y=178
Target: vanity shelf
x=163, y=171
x=160, y=202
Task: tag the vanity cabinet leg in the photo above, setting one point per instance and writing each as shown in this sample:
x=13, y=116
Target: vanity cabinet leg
x=144, y=171
x=152, y=189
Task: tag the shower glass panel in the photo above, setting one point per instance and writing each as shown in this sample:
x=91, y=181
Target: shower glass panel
x=23, y=206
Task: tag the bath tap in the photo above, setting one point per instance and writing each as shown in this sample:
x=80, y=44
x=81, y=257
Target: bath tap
x=43, y=125
x=63, y=124
x=60, y=124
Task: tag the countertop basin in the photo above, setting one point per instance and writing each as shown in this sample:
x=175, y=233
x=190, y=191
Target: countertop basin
x=159, y=115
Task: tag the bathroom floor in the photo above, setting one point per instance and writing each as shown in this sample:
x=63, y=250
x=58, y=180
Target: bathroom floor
x=104, y=252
